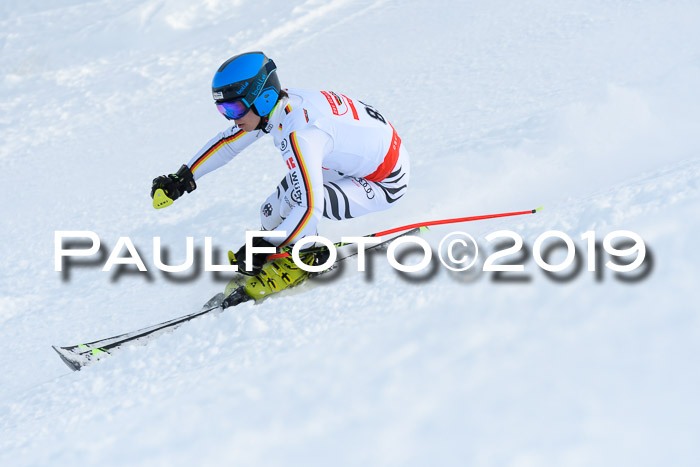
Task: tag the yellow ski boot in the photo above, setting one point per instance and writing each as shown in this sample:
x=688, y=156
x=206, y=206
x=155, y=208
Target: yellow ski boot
x=276, y=275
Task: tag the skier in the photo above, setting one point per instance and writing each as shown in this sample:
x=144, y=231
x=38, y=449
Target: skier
x=344, y=159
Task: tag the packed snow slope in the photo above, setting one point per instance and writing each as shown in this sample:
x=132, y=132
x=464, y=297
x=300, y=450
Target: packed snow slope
x=589, y=108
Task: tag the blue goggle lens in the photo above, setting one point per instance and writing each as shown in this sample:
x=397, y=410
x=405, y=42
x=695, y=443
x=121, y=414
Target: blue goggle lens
x=233, y=110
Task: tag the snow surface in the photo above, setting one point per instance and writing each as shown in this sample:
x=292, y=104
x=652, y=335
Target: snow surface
x=589, y=108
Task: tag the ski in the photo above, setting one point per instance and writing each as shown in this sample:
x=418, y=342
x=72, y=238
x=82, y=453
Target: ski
x=78, y=356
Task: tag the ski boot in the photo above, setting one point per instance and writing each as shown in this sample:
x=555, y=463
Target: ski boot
x=276, y=275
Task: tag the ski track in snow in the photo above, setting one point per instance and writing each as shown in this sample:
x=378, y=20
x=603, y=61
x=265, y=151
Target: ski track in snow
x=587, y=108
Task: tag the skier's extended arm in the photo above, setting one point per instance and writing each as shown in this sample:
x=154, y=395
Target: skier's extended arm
x=220, y=150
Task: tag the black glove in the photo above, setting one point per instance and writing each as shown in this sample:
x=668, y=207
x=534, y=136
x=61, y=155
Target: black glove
x=259, y=259
x=174, y=185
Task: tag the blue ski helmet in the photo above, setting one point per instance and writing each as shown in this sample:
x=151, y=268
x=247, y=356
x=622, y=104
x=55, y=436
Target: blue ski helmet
x=250, y=78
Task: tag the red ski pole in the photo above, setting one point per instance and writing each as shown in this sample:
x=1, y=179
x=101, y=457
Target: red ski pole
x=427, y=224
x=452, y=221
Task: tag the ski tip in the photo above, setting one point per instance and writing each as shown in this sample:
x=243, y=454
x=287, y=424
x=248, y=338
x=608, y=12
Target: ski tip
x=71, y=364
x=537, y=210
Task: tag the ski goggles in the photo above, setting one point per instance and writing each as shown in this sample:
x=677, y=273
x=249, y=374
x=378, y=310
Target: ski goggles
x=233, y=110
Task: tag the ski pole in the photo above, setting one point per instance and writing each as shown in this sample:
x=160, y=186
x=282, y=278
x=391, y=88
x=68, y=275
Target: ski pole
x=285, y=254
x=452, y=221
